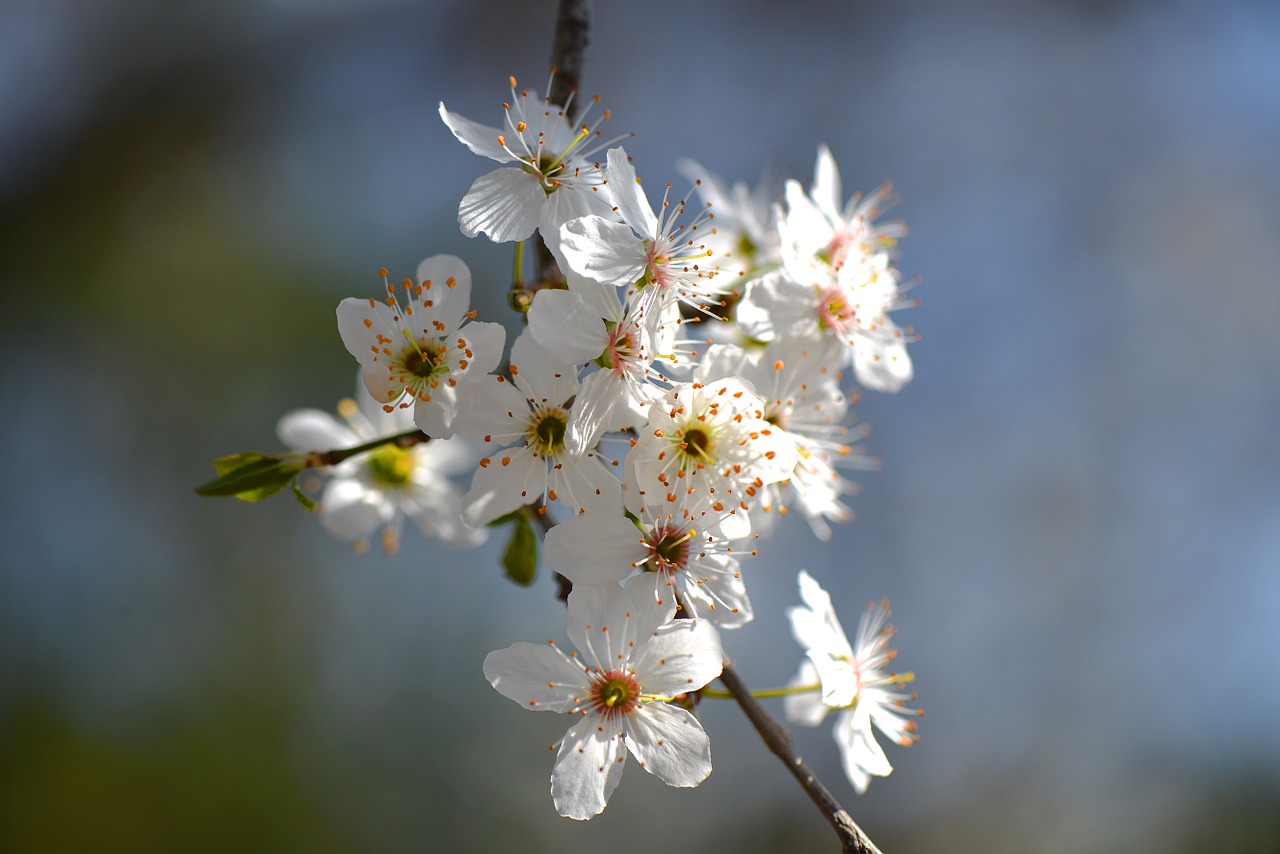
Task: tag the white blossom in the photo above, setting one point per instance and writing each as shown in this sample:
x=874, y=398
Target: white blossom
x=713, y=440
x=681, y=549
x=527, y=418
x=658, y=259
x=422, y=353
x=551, y=178
x=632, y=660
x=377, y=490
x=836, y=280
x=852, y=679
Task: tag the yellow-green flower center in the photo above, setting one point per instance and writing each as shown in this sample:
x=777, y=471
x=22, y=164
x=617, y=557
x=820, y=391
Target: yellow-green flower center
x=391, y=466
x=547, y=433
x=698, y=445
x=615, y=693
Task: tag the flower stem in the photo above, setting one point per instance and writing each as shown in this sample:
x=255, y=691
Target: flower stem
x=765, y=694
x=778, y=740
x=407, y=439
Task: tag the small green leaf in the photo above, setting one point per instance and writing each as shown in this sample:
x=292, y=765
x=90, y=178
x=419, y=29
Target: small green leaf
x=520, y=560
x=252, y=477
x=308, y=503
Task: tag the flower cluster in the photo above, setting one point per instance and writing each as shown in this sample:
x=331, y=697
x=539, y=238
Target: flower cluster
x=677, y=389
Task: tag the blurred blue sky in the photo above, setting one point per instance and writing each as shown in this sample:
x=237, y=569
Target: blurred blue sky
x=1077, y=521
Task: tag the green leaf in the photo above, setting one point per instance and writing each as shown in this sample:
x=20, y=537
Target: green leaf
x=252, y=477
x=308, y=503
x=506, y=520
x=520, y=560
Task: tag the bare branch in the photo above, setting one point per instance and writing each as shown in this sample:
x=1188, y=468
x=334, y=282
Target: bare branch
x=778, y=739
x=569, y=50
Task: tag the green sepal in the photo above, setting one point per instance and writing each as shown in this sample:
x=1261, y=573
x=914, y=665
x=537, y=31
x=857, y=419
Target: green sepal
x=252, y=477
x=308, y=503
x=520, y=560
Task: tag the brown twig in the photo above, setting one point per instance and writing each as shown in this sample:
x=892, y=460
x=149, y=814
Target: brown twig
x=568, y=55
x=407, y=439
x=778, y=739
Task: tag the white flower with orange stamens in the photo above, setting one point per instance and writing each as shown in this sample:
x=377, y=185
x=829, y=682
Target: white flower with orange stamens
x=658, y=259
x=528, y=416
x=710, y=440
x=422, y=352
x=632, y=660
x=680, y=547
x=553, y=177
x=852, y=679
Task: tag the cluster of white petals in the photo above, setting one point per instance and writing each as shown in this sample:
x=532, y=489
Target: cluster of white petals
x=677, y=389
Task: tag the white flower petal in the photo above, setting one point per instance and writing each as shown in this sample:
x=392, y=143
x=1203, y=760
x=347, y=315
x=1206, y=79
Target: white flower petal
x=594, y=548
x=810, y=231
x=680, y=656
x=505, y=204
x=486, y=342
x=604, y=623
x=568, y=203
x=565, y=325
x=537, y=676
x=513, y=478
x=826, y=184
x=627, y=194
x=481, y=139
x=860, y=753
x=313, y=430
x=495, y=411
x=605, y=403
x=381, y=422
x=585, y=485
x=436, y=416
x=881, y=365
x=806, y=709
x=588, y=768
x=351, y=511
x=714, y=589
x=670, y=744
x=603, y=251
x=449, y=301
x=540, y=374
x=435, y=507
x=603, y=299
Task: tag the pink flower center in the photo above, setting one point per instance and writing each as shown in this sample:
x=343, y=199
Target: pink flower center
x=668, y=547
x=835, y=311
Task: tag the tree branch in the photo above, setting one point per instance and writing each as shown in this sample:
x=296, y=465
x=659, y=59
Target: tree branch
x=569, y=50
x=778, y=739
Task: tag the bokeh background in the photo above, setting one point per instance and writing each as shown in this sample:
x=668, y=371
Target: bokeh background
x=1077, y=520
